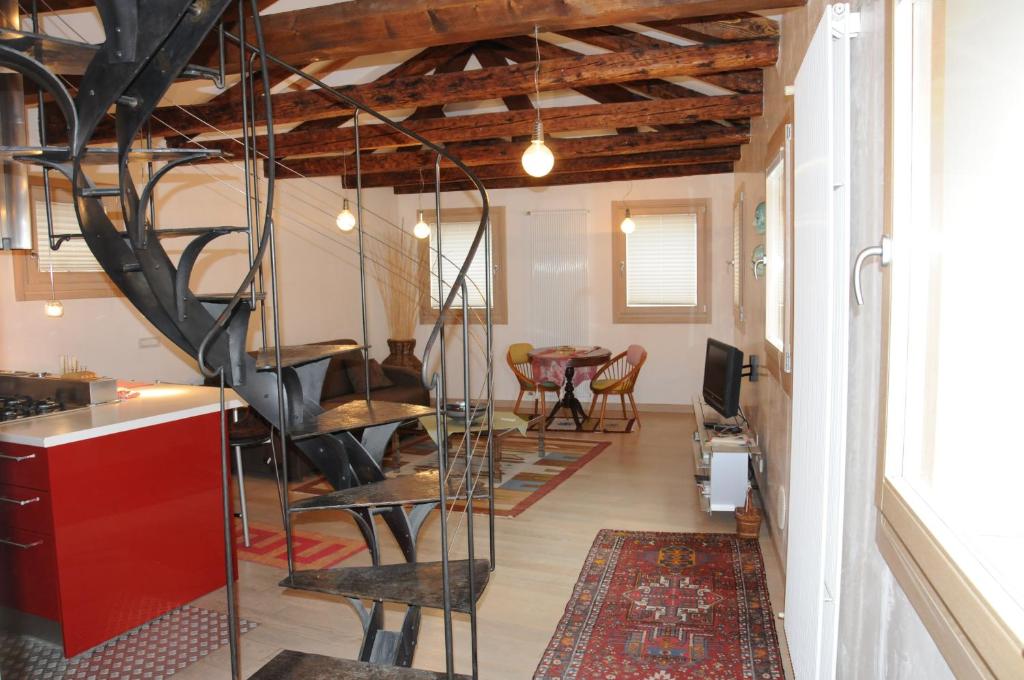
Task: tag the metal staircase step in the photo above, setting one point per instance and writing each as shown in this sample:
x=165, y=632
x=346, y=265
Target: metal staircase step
x=59, y=55
x=356, y=415
x=413, y=489
x=100, y=192
x=291, y=665
x=224, y=298
x=296, y=355
x=171, y=232
x=412, y=583
x=105, y=155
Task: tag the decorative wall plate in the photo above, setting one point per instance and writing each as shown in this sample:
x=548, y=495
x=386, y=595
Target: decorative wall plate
x=759, y=217
x=758, y=260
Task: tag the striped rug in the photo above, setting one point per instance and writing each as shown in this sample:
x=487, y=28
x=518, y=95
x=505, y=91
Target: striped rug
x=312, y=550
x=526, y=477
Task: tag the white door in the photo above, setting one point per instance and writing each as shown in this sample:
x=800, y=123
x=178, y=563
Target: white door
x=820, y=345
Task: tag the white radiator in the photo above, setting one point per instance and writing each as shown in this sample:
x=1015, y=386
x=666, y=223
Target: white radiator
x=821, y=245
x=558, y=280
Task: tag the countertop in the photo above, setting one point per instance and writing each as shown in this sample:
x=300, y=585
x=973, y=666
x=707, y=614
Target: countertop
x=156, y=404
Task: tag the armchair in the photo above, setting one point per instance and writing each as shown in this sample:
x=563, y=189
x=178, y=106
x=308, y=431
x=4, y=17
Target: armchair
x=518, y=358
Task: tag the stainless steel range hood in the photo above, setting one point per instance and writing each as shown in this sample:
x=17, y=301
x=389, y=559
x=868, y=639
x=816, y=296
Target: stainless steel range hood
x=15, y=219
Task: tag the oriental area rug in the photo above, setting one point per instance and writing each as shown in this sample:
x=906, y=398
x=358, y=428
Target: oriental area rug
x=526, y=475
x=667, y=606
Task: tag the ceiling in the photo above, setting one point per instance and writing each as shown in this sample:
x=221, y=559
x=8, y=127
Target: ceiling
x=627, y=90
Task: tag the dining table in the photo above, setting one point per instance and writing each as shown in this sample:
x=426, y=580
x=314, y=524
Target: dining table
x=568, y=365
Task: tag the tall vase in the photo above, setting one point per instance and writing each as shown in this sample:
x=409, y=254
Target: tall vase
x=402, y=354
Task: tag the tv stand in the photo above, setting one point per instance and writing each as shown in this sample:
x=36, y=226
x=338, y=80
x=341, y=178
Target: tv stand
x=721, y=460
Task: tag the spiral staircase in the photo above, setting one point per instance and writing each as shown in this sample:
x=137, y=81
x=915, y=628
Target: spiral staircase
x=148, y=47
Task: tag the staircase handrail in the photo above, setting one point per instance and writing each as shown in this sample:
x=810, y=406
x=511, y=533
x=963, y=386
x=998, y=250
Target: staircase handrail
x=455, y=285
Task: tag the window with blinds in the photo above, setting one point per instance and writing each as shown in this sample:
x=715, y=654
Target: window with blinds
x=661, y=261
x=737, y=260
x=456, y=240
x=73, y=255
x=662, y=264
x=458, y=229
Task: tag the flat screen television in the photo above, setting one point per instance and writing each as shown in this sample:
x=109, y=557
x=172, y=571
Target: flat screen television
x=723, y=368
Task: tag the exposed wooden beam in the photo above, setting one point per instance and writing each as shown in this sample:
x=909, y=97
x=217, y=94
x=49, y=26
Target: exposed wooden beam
x=443, y=58
x=474, y=154
x=720, y=28
x=306, y=35
x=488, y=173
x=513, y=123
x=614, y=38
x=595, y=177
x=493, y=83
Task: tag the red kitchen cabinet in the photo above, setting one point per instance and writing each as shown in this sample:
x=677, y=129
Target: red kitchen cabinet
x=118, y=530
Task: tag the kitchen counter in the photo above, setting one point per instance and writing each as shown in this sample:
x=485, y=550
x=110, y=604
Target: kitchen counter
x=156, y=404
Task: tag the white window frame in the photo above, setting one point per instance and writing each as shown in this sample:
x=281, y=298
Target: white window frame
x=929, y=562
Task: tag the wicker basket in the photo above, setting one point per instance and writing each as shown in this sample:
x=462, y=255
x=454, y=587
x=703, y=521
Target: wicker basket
x=748, y=518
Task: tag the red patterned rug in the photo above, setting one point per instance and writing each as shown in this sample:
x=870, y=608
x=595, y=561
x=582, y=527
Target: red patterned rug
x=311, y=550
x=666, y=606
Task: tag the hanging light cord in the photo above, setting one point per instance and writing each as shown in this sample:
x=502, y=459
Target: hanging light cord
x=53, y=292
x=539, y=130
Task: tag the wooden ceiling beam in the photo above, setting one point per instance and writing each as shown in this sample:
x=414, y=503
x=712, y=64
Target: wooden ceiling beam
x=489, y=83
x=594, y=177
x=720, y=28
x=307, y=35
x=487, y=173
x=497, y=152
x=514, y=123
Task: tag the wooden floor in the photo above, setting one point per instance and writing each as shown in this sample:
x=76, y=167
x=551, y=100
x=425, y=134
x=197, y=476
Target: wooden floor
x=643, y=481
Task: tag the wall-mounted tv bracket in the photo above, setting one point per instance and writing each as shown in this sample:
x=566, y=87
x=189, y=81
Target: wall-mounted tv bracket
x=753, y=367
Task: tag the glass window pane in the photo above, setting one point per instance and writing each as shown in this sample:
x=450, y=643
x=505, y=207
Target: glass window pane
x=775, y=251
x=456, y=240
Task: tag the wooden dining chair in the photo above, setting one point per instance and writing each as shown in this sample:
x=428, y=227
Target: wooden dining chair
x=618, y=376
x=519, y=361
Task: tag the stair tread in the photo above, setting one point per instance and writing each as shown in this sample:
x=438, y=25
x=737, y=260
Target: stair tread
x=224, y=298
x=411, y=583
x=292, y=665
x=105, y=155
x=169, y=232
x=59, y=55
x=296, y=355
x=355, y=415
x=411, y=489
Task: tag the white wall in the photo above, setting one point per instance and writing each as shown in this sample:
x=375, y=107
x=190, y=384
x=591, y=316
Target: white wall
x=675, y=364
x=319, y=284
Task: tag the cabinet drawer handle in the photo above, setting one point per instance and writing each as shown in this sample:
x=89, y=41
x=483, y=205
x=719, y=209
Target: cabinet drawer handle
x=17, y=459
x=23, y=546
x=19, y=501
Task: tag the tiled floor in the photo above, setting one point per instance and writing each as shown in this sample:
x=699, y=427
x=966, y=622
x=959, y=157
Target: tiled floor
x=644, y=480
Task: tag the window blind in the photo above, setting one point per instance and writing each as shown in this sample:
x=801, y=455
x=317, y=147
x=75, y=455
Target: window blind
x=456, y=239
x=74, y=255
x=737, y=254
x=661, y=261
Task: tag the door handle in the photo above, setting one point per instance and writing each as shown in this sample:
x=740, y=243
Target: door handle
x=759, y=262
x=19, y=501
x=883, y=251
x=17, y=459
x=22, y=546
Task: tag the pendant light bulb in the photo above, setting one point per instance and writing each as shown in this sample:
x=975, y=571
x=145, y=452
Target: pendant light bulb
x=538, y=159
x=627, y=225
x=421, y=230
x=346, y=220
x=54, y=309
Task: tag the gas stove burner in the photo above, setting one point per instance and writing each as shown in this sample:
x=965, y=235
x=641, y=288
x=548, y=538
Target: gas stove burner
x=17, y=406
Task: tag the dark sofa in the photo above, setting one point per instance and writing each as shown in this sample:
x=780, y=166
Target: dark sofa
x=338, y=389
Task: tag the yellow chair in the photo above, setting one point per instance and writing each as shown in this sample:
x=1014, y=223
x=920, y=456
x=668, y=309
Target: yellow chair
x=518, y=358
x=618, y=376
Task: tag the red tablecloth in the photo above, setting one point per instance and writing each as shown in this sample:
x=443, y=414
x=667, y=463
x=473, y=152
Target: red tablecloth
x=549, y=363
